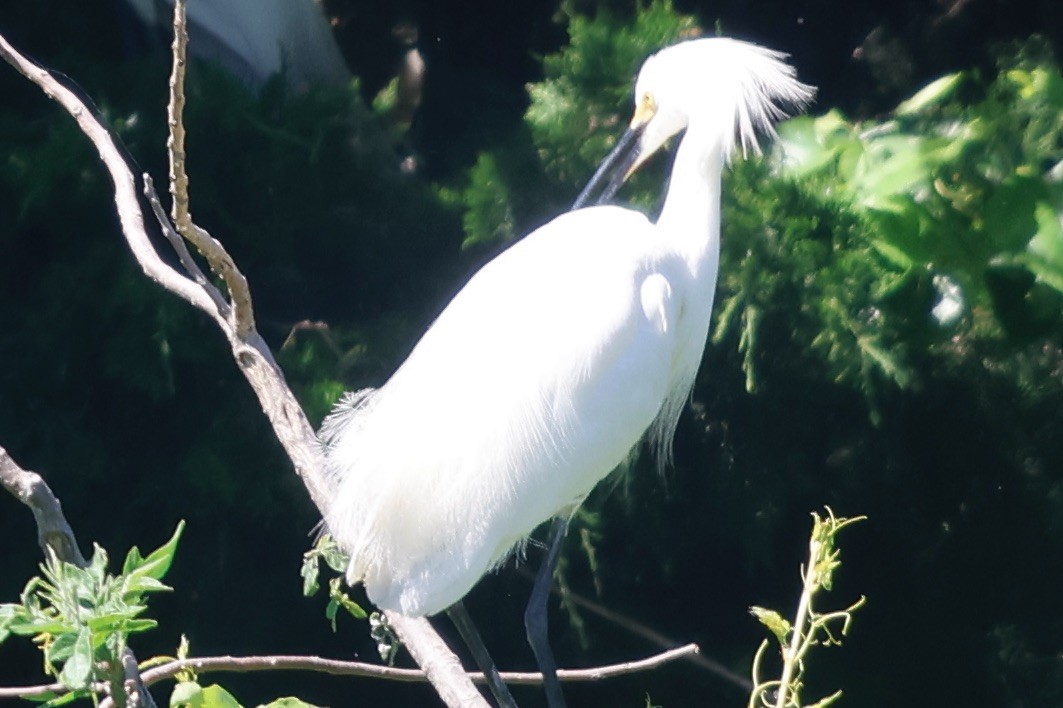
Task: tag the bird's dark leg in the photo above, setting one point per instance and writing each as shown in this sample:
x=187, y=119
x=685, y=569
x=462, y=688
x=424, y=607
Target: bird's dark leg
x=535, y=616
x=460, y=617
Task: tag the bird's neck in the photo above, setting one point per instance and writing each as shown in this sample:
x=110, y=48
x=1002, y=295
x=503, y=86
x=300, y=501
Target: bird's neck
x=691, y=214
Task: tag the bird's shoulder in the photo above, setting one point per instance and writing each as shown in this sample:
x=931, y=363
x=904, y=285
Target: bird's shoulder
x=565, y=292
x=579, y=249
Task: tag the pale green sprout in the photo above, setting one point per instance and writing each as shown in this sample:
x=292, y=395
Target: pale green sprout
x=809, y=628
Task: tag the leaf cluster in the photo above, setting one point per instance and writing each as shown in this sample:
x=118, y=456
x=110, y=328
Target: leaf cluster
x=327, y=551
x=81, y=618
x=939, y=230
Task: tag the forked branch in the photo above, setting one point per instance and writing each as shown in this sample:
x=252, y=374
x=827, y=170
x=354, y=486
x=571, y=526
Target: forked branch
x=236, y=322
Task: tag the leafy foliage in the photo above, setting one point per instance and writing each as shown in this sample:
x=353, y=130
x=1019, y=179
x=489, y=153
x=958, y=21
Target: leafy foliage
x=326, y=550
x=957, y=206
x=81, y=618
x=578, y=109
x=575, y=117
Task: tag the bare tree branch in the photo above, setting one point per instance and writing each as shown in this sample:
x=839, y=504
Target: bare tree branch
x=440, y=664
x=246, y=664
x=178, y=245
x=249, y=664
x=39, y=692
x=220, y=261
x=52, y=529
x=249, y=350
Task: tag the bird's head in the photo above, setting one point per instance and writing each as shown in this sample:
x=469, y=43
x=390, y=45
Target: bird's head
x=726, y=87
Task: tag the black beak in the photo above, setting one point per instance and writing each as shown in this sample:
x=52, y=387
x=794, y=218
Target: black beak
x=618, y=162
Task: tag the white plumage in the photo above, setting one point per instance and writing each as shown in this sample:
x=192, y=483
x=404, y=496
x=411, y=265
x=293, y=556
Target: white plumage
x=555, y=359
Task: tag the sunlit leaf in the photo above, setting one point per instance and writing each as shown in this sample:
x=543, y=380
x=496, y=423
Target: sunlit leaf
x=77, y=671
x=288, y=702
x=158, y=561
x=933, y=94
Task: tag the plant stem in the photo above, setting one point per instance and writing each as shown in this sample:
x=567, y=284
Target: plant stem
x=794, y=650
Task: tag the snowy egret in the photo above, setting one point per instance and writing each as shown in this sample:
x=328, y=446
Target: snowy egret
x=556, y=358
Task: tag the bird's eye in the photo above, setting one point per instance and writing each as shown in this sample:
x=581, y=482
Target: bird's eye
x=644, y=110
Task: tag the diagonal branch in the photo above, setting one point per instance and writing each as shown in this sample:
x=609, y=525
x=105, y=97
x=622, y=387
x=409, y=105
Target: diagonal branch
x=125, y=195
x=249, y=350
x=181, y=248
x=52, y=529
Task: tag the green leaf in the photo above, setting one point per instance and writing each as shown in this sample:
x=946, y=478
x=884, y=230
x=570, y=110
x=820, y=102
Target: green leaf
x=775, y=622
x=1044, y=255
x=133, y=560
x=139, y=625
x=184, y=693
x=334, y=556
x=352, y=607
x=1008, y=216
x=107, y=622
x=30, y=626
x=97, y=567
x=8, y=613
x=66, y=698
x=310, y=572
x=897, y=222
x=191, y=695
x=933, y=94
x=331, y=610
x=288, y=702
x=158, y=561
x=214, y=696
x=61, y=648
x=811, y=145
x=77, y=671
x=137, y=585
x=121, y=622
x=892, y=165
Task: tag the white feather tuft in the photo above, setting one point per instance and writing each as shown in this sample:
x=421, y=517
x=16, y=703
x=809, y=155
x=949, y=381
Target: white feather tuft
x=745, y=85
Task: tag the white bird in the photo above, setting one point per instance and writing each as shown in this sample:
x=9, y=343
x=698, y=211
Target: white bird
x=558, y=356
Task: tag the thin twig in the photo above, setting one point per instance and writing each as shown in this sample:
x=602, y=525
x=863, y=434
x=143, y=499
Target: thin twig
x=46, y=689
x=247, y=664
x=220, y=261
x=334, y=667
x=178, y=245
